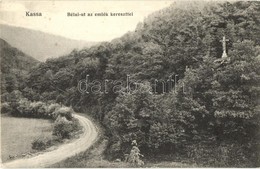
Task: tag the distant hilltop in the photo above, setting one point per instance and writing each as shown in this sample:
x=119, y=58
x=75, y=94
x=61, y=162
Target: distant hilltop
x=40, y=45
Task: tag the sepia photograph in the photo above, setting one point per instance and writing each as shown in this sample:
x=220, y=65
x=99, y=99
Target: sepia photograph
x=130, y=84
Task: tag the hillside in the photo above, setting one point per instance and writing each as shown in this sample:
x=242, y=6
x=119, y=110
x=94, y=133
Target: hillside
x=12, y=58
x=14, y=66
x=47, y=45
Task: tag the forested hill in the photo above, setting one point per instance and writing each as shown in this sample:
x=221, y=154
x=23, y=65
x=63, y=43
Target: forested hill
x=12, y=58
x=14, y=65
x=166, y=43
x=215, y=117
x=47, y=45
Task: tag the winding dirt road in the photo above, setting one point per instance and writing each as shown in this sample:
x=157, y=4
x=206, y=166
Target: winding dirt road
x=62, y=152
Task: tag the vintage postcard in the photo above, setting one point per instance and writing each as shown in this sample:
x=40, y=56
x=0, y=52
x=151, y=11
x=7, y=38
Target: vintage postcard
x=130, y=84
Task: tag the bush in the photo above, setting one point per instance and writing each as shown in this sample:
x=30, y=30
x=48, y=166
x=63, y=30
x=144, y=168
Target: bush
x=6, y=108
x=64, y=112
x=24, y=107
x=40, y=144
x=62, y=128
x=52, y=108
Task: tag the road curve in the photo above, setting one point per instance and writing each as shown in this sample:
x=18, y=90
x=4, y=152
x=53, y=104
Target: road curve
x=62, y=152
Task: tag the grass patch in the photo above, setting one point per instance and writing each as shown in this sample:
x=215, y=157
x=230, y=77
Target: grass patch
x=17, y=134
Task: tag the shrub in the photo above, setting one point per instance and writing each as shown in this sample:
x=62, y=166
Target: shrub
x=62, y=128
x=64, y=112
x=6, y=108
x=52, y=108
x=24, y=107
x=40, y=144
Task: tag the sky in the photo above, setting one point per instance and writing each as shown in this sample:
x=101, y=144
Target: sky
x=54, y=18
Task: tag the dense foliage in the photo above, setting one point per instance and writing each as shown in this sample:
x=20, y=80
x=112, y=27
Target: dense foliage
x=211, y=115
x=19, y=106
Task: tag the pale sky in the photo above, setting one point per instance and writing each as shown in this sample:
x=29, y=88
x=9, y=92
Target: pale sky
x=95, y=28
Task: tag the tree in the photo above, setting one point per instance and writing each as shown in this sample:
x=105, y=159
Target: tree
x=134, y=156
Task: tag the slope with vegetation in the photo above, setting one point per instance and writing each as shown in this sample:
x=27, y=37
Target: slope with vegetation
x=211, y=117
x=47, y=45
x=15, y=66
